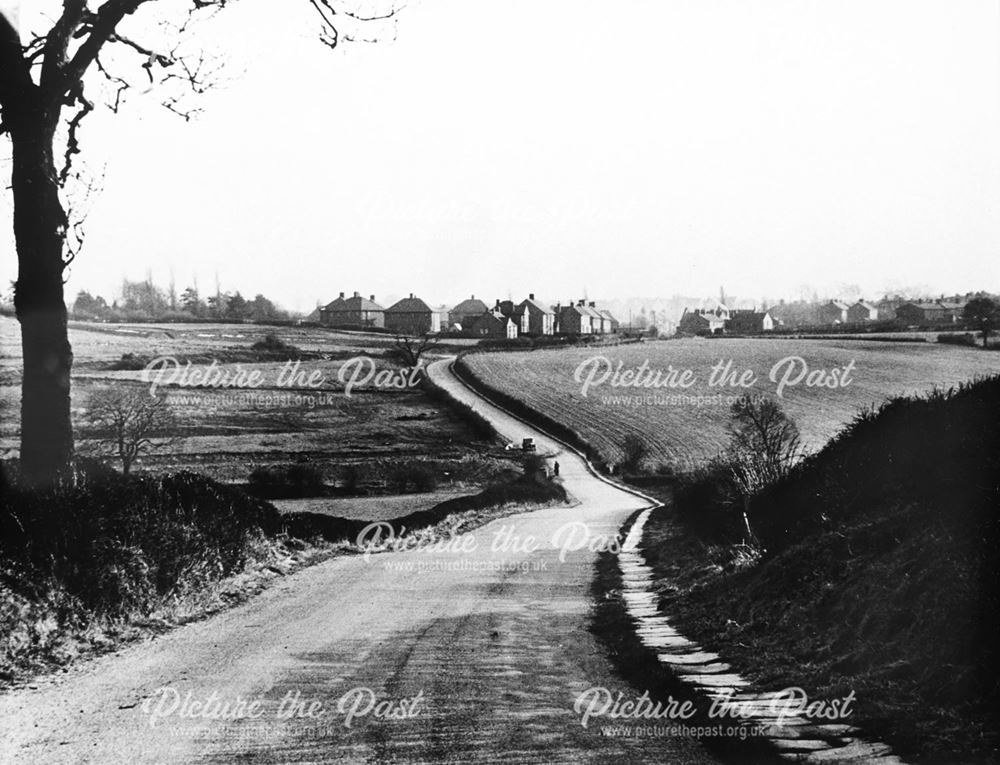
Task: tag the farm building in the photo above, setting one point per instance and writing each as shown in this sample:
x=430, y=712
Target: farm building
x=410, y=316
x=699, y=321
x=466, y=311
x=541, y=320
x=749, y=322
x=923, y=313
x=492, y=324
x=354, y=311
x=862, y=311
x=833, y=312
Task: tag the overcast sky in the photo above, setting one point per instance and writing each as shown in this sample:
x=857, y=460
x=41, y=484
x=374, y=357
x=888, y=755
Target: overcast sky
x=567, y=147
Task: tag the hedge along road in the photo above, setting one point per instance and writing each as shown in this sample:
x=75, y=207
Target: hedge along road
x=472, y=653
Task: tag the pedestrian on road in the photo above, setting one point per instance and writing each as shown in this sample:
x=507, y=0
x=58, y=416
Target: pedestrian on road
x=555, y=467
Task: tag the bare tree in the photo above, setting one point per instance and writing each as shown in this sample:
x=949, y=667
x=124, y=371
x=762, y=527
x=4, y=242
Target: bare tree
x=45, y=96
x=129, y=422
x=764, y=445
x=410, y=349
x=634, y=451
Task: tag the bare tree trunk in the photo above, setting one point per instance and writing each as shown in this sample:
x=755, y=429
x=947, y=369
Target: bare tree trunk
x=39, y=229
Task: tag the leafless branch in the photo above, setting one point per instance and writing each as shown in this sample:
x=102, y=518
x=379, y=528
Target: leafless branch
x=72, y=143
x=330, y=34
x=120, y=84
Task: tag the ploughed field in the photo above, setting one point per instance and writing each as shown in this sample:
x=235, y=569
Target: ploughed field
x=225, y=432
x=664, y=391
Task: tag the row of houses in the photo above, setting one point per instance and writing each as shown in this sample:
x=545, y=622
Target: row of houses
x=719, y=318
x=471, y=317
x=908, y=312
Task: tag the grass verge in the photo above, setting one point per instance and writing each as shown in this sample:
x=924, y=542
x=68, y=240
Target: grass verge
x=879, y=574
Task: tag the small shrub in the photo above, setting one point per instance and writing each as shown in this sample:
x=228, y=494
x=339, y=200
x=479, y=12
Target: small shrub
x=274, y=344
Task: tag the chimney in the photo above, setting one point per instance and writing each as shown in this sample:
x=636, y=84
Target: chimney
x=341, y=295
x=411, y=296
x=592, y=304
x=357, y=294
x=531, y=296
x=497, y=306
x=372, y=298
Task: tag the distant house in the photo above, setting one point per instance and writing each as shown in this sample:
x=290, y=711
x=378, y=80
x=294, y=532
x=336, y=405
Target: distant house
x=700, y=321
x=540, y=319
x=923, y=313
x=491, y=324
x=611, y=324
x=513, y=312
x=746, y=322
x=887, y=307
x=313, y=317
x=833, y=312
x=466, y=311
x=411, y=316
x=954, y=308
x=354, y=311
x=861, y=312
x=576, y=319
x=439, y=318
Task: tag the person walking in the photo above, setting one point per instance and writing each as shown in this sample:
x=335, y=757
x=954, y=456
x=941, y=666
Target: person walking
x=555, y=467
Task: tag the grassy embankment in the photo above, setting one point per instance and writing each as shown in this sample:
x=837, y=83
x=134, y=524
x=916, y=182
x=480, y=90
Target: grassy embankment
x=879, y=572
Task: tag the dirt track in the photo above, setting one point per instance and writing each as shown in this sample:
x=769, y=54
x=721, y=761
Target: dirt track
x=493, y=641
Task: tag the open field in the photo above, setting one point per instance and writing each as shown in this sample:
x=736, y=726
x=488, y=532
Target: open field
x=368, y=508
x=225, y=433
x=685, y=425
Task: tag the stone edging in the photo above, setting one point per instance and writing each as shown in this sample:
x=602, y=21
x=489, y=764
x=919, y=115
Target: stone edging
x=796, y=738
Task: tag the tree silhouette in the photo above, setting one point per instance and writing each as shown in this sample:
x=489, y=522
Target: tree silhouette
x=45, y=95
x=983, y=314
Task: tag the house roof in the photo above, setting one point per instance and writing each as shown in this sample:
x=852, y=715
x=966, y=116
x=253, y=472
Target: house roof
x=951, y=304
x=490, y=315
x=839, y=304
x=333, y=304
x=409, y=305
x=606, y=314
x=355, y=303
x=925, y=306
x=471, y=305
x=865, y=304
x=536, y=304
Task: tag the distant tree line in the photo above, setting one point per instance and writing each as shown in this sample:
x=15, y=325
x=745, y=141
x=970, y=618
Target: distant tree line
x=145, y=301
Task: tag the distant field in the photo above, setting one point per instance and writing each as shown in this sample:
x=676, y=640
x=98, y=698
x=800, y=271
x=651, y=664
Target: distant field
x=226, y=433
x=681, y=430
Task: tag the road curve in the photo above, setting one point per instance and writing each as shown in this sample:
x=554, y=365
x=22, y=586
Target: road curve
x=471, y=655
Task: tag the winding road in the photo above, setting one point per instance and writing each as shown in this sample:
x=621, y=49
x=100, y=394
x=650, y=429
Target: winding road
x=451, y=655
